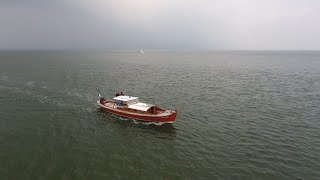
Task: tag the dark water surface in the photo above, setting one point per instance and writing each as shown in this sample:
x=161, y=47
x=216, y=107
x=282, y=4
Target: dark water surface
x=242, y=115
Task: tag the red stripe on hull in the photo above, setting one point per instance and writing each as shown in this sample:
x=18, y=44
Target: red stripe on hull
x=166, y=119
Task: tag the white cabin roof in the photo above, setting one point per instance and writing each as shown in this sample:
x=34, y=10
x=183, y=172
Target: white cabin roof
x=125, y=98
x=140, y=106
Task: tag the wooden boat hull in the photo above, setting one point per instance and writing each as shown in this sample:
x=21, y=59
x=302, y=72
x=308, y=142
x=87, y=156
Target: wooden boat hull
x=168, y=117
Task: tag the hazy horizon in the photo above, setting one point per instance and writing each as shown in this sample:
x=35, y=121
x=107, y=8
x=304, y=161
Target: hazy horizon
x=171, y=50
x=160, y=25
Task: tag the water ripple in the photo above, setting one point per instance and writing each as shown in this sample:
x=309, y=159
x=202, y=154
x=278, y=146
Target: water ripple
x=241, y=115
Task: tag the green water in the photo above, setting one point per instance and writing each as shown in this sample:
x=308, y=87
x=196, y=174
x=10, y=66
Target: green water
x=242, y=115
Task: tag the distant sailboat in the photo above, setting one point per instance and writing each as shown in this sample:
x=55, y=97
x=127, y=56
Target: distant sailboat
x=141, y=51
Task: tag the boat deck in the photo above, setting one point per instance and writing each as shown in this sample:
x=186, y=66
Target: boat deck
x=125, y=108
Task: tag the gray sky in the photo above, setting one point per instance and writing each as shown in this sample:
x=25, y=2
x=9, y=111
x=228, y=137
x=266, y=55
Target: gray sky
x=160, y=24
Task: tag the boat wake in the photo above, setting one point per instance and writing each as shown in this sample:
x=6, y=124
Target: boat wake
x=45, y=98
x=30, y=83
x=4, y=78
x=146, y=123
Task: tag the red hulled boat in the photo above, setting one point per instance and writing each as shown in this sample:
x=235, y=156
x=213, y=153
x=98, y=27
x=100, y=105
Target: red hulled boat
x=131, y=107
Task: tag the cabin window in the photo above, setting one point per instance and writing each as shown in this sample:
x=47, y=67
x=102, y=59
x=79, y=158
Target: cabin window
x=119, y=103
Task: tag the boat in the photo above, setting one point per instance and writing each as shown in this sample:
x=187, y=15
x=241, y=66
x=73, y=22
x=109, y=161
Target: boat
x=131, y=107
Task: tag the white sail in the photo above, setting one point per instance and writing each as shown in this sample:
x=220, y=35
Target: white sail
x=141, y=51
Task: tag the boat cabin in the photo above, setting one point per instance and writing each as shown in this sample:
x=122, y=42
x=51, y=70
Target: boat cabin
x=132, y=104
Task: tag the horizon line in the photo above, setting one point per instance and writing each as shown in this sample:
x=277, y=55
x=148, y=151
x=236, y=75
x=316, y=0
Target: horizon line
x=169, y=50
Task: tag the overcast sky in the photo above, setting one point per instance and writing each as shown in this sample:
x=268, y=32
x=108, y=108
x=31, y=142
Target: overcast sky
x=160, y=24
